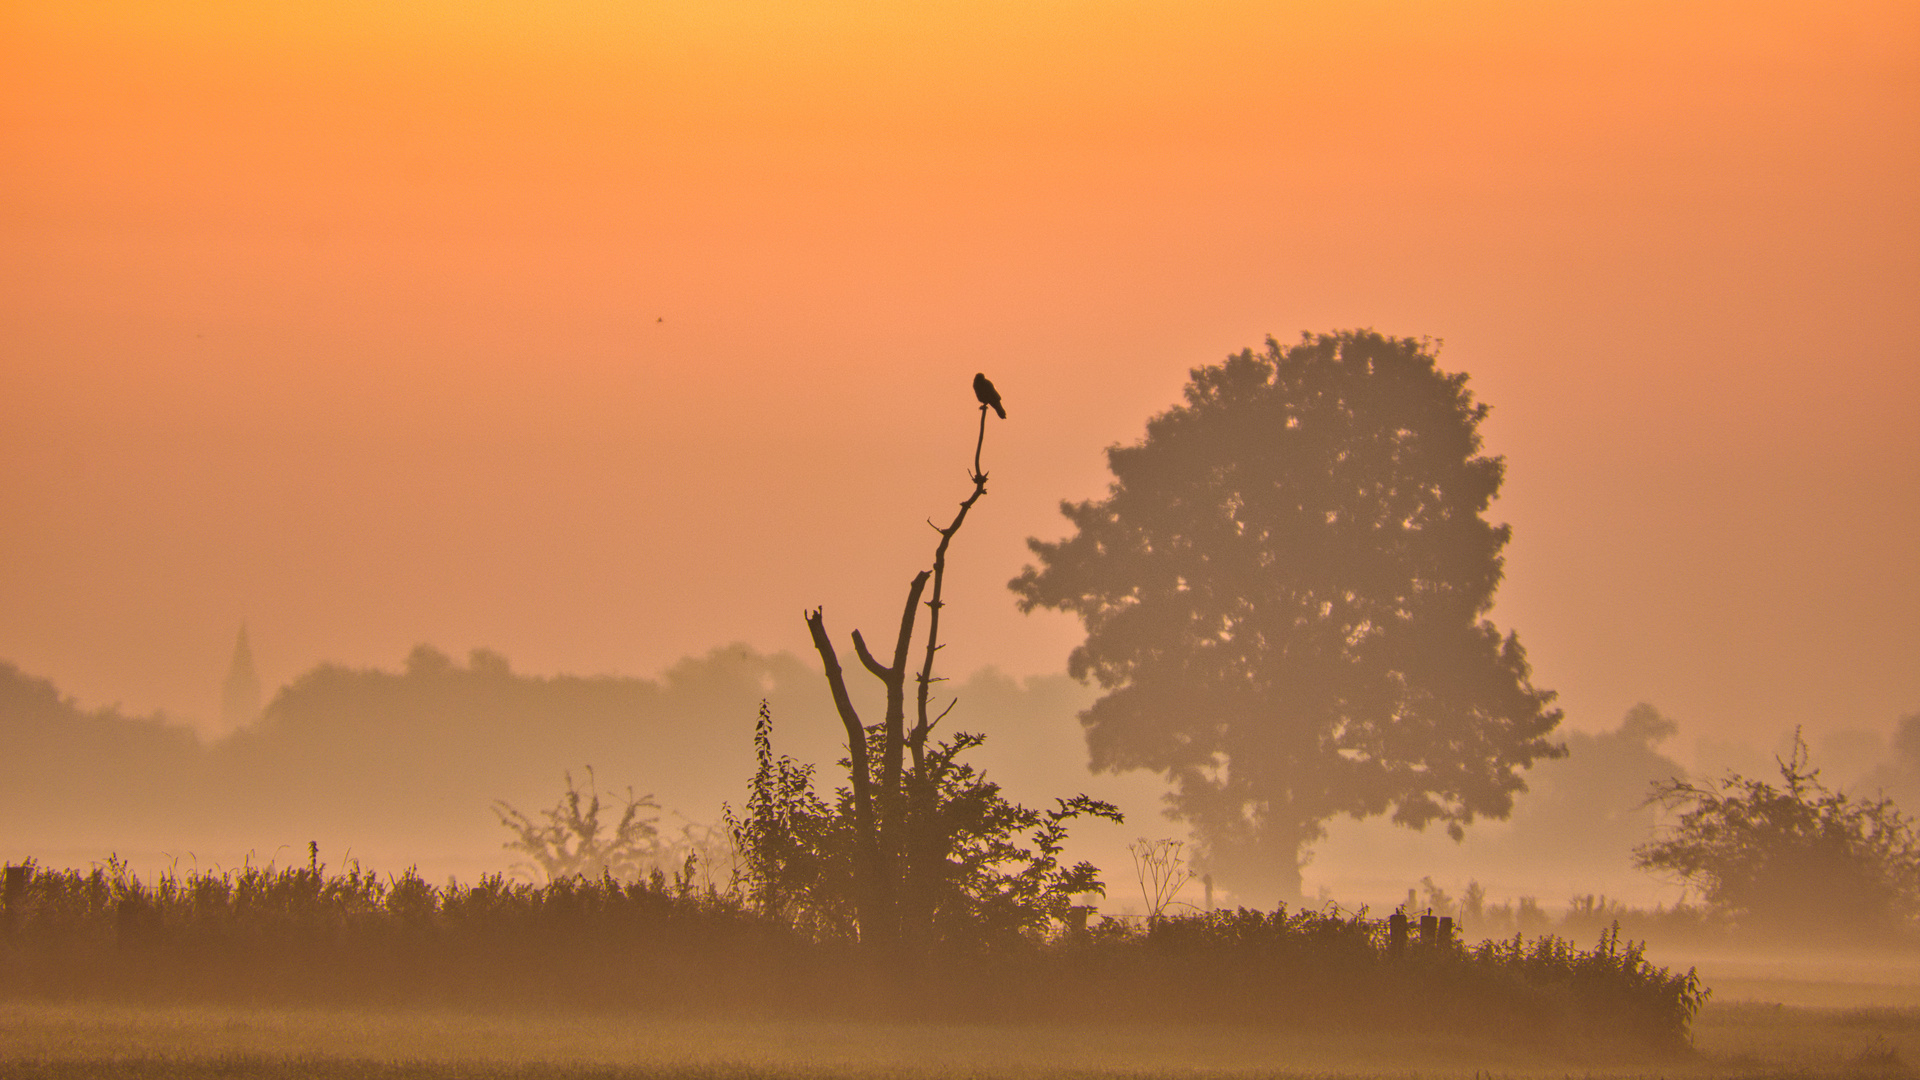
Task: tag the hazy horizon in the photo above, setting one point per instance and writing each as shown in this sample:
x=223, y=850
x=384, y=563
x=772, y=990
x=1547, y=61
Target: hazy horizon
x=602, y=336
x=397, y=782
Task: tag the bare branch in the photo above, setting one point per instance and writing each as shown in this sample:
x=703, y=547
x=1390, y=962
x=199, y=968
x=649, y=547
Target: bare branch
x=875, y=898
x=979, y=477
x=880, y=671
x=896, y=678
x=943, y=713
x=856, y=732
x=935, y=604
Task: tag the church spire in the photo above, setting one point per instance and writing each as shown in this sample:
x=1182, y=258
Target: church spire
x=240, y=700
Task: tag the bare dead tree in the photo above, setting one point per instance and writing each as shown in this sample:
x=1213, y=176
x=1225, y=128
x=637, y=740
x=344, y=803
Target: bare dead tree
x=899, y=847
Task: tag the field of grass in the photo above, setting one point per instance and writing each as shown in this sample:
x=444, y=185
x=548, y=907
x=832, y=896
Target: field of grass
x=39, y=1039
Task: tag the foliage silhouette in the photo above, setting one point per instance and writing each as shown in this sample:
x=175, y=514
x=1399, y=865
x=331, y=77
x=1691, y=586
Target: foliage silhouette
x=571, y=840
x=109, y=768
x=1588, y=809
x=1284, y=596
x=305, y=935
x=1795, y=860
x=782, y=837
x=1160, y=868
x=998, y=875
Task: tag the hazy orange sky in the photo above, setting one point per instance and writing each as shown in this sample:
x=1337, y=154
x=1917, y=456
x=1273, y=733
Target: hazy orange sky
x=601, y=334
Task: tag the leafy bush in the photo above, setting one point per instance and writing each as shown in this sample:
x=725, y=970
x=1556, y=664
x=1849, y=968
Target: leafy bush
x=991, y=867
x=1796, y=860
x=1612, y=984
x=572, y=840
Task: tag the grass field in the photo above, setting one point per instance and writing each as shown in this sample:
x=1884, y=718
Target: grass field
x=39, y=1039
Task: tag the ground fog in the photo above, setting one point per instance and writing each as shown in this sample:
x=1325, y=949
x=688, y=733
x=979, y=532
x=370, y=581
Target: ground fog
x=67, y=1040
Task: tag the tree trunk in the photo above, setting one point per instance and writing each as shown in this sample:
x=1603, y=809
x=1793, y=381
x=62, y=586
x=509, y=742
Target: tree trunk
x=874, y=903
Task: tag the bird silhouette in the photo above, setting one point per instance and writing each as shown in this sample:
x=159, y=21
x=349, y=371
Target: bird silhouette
x=983, y=389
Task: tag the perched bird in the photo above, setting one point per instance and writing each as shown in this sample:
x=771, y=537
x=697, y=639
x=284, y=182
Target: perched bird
x=983, y=389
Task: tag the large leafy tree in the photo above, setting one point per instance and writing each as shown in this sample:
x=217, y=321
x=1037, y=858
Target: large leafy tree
x=1285, y=595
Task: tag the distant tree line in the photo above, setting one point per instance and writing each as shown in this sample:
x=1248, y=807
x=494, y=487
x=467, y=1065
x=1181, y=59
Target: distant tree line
x=406, y=759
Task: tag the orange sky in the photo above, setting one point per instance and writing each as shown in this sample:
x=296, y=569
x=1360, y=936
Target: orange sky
x=600, y=334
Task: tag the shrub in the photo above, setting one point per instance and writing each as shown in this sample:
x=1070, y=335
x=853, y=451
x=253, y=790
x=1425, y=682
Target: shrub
x=1795, y=860
x=571, y=839
x=990, y=868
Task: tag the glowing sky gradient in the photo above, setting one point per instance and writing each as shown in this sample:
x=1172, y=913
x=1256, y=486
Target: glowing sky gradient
x=601, y=334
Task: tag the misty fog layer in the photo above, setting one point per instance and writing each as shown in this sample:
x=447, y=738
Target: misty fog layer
x=400, y=767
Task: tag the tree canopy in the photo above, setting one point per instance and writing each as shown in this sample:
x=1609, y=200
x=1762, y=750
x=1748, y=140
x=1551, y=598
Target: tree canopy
x=1284, y=595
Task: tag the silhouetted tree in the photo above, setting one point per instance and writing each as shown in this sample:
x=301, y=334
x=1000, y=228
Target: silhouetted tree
x=1284, y=595
x=1589, y=808
x=915, y=815
x=1798, y=859
x=572, y=840
x=72, y=774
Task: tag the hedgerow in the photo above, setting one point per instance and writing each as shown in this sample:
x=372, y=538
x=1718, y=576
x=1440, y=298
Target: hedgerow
x=307, y=935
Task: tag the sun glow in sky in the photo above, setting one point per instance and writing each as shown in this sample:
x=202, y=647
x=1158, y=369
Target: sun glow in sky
x=601, y=334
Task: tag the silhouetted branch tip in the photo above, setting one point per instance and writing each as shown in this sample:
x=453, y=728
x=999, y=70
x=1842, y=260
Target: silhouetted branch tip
x=867, y=659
